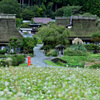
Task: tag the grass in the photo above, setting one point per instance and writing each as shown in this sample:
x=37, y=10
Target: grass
x=45, y=83
x=74, y=61
x=50, y=63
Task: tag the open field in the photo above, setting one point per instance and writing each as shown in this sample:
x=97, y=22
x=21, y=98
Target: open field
x=45, y=83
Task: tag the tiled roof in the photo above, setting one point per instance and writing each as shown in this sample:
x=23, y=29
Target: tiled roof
x=42, y=20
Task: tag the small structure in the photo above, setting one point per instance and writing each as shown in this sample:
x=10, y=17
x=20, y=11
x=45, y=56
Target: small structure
x=23, y=30
x=34, y=27
x=60, y=50
x=42, y=20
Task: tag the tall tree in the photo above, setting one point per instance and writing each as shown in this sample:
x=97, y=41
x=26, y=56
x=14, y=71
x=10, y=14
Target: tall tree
x=10, y=7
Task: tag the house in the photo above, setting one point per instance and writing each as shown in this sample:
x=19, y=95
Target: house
x=23, y=30
x=42, y=20
x=8, y=29
x=80, y=26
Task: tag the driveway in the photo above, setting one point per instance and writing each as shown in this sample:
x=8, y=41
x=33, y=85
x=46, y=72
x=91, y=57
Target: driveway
x=39, y=57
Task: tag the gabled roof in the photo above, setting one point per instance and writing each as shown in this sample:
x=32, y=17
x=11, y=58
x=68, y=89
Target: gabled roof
x=42, y=20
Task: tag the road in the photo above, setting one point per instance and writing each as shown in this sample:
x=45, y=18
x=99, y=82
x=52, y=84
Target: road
x=39, y=57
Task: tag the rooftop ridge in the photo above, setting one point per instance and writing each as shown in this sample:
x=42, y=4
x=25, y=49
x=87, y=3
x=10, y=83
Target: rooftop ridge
x=7, y=16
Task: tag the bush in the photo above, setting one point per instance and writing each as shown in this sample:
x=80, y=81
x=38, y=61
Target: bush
x=47, y=47
x=71, y=52
x=3, y=63
x=25, y=25
x=17, y=59
x=92, y=47
x=78, y=47
x=95, y=66
x=3, y=51
x=2, y=56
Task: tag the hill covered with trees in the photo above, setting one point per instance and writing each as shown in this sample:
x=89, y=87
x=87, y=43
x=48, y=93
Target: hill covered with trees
x=49, y=8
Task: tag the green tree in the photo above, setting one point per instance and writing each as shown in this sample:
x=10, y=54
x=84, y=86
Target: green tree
x=53, y=35
x=10, y=7
x=28, y=44
x=68, y=11
x=27, y=14
x=92, y=6
x=96, y=37
x=19, y=21
x=49, y=12
x=13, y=43
x=39, y=2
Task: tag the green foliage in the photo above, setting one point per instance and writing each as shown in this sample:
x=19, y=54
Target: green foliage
x=46, y=82
x=13, y=43
x=2, y=56
x=32, y=21
x=19, y=21
x=78, y=47
x=60, y=11
x=10, y=7
x=95, y=66
x=96, y=37
x=92, y=6
x=47, y=47
x=3, y=63
x=25, y=33
x=25, y=25
x=3, y=51
x=71, y=52
x=27, y=14
x=28, y=44
x=92, y=46
x=53, y=35
x=52, y=53
x=17, y=59
x=49, y=12
x=67, y=11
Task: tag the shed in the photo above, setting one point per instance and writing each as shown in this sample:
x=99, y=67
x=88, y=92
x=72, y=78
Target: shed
x=60, y=49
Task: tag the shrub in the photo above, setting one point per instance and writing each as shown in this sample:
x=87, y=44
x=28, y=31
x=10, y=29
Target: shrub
x=71, y=52
x=2, y=56
x=92, y=46
x=26, y=33
x=95, y=66
x=47, y=47
x=25, y=25
x=3, y=51
x=17, y=59
x=3, y=63
x=78, y=47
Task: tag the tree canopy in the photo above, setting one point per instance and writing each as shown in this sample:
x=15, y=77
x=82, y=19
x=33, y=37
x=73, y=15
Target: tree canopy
x=10, y=7
x=53, y=35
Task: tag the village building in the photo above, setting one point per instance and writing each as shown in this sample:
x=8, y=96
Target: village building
x=41, y=20
x=80, y=26
x=8, y=29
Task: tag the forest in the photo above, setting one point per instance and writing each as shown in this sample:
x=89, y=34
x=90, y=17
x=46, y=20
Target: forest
x=50, y=8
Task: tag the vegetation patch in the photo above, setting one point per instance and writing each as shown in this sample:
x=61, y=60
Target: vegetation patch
x=49, y=83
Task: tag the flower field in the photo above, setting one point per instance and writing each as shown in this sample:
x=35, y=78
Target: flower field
x=38, y=83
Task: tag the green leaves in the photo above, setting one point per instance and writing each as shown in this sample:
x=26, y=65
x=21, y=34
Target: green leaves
x=53, y=35
x=49, y=83
x=10, y=7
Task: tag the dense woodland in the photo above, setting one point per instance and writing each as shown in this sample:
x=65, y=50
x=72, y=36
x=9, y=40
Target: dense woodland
x=50, y=8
